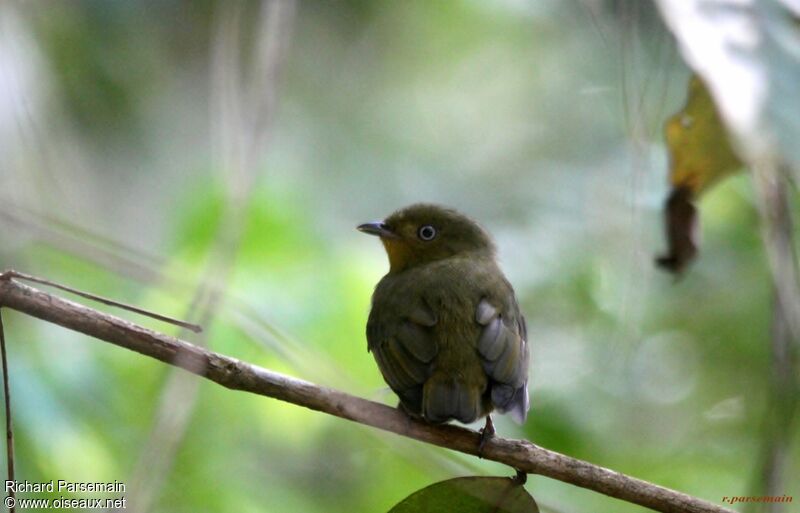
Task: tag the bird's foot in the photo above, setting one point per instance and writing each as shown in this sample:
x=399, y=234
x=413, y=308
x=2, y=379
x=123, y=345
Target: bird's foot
x=487, y=432
x=521, y=478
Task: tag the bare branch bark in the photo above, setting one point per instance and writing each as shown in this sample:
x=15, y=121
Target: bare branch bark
x=238, y=375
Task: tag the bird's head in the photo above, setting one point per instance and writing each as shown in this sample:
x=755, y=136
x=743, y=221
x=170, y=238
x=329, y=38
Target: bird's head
x=424, y=233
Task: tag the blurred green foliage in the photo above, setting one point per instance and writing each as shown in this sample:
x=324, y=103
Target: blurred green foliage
x=542, y=120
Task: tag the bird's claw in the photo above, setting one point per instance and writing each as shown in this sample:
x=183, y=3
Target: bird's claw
x=487, y=432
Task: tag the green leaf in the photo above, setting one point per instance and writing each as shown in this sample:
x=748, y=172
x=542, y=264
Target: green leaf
x=470, y=495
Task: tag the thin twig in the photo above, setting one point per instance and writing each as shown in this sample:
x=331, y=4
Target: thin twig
x=779, y=416
x=784, y=391
x=237, y=375
x=770, y=186
x=9, y=423
x=110, y=302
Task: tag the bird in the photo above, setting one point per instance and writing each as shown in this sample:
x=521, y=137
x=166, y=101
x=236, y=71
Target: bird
x=445, y=326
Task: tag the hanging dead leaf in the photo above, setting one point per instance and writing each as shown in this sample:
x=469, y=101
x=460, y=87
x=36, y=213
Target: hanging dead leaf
x=680, y=216
x=470, y=495
x=700, y=155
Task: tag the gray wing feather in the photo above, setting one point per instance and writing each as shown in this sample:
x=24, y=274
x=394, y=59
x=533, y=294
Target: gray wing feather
x=504, y=355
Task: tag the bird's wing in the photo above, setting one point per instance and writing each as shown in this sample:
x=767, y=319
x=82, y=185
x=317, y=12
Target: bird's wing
x=404, y=347
x=503, y=348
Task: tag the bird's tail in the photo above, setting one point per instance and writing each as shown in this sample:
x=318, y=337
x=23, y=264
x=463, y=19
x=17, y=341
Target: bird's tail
x=445, y=398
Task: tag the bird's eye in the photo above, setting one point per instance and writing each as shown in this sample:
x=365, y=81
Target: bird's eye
x=426, y=232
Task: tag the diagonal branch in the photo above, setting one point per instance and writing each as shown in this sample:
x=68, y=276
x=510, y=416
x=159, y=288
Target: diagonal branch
x=238, y=375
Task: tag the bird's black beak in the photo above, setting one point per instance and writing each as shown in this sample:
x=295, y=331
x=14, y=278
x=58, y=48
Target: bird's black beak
x=378, y=228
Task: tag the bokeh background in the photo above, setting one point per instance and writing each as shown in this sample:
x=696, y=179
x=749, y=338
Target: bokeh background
x=210, y=160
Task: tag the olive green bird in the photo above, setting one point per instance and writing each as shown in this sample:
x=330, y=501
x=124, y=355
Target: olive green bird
x=445, y=327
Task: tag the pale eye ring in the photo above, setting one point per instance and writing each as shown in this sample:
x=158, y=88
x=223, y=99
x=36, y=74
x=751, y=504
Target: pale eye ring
x=426, y=232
